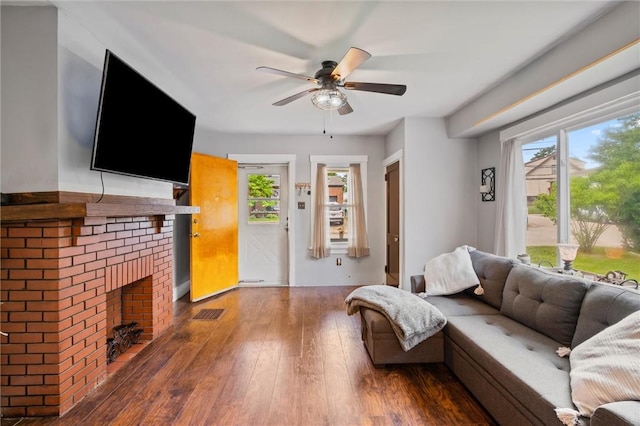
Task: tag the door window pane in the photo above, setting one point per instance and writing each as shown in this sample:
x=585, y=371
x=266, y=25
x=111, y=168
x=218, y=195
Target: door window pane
x=264, y=198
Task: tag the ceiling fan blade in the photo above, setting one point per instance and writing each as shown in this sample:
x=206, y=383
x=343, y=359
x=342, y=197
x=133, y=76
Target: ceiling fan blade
x=389, y=89
x=351, y=60
x=288, y=74
x=345, y=109
x=294, y=97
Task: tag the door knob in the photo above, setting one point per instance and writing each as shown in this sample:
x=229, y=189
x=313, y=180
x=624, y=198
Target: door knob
x=196, y=234
x=396, y=239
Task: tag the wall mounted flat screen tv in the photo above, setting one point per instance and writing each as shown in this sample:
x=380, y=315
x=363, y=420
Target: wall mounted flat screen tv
x=140, y=130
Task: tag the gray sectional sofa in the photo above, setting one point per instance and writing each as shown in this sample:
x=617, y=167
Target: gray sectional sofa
x=502, y=344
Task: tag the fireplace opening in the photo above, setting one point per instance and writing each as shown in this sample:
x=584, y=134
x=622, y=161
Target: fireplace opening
x=124, y=337
x=127, y=309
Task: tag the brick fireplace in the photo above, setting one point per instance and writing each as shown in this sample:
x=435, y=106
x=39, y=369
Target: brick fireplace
x=56, y=275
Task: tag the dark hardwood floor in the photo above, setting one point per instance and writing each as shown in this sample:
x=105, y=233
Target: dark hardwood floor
x=276, y=356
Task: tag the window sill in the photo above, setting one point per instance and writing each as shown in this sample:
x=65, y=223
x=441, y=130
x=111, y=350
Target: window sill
x=339, y=246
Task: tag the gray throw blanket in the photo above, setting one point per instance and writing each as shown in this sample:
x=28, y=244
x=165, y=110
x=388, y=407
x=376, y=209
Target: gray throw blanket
x=412, y=319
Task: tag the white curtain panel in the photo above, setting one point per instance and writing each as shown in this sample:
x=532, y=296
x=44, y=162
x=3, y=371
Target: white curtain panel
x=358, y=245
x=320, y=239
x=511, y=198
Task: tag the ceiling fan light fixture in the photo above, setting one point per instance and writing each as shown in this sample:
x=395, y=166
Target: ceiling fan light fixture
x=329, y=99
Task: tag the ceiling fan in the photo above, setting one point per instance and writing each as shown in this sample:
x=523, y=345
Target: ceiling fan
x=330, y=77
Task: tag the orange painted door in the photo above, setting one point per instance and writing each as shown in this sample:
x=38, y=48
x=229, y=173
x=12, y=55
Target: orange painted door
x=214, y=231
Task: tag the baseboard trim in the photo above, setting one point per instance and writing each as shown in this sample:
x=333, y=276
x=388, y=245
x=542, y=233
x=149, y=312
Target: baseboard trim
x=181, y=289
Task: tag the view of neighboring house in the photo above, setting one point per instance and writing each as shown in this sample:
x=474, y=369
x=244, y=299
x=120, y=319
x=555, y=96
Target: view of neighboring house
x=542, y=172
x=336, y=189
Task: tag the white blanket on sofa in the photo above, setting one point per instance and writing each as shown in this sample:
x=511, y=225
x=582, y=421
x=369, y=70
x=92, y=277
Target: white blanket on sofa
x=412, y=319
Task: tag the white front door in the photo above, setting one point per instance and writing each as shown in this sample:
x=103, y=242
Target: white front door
x=263, y=225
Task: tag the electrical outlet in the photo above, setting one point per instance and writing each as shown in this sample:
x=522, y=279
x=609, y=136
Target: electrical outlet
x=339, y=261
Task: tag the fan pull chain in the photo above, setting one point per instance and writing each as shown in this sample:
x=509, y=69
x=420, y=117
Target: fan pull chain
x=324, y=124
x=331, y=121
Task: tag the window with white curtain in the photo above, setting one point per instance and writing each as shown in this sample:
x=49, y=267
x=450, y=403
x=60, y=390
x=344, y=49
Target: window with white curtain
x=337, y=202
x=583, y=187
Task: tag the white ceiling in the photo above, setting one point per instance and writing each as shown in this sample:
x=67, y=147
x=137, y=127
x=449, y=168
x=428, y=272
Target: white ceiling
x=205, y=53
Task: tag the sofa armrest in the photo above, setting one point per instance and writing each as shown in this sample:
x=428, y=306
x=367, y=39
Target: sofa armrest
x=417, y=284
x=624, y=413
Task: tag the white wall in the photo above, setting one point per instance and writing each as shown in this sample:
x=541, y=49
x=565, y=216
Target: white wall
x=309, y=271
x=182, y=250
x=29, y=99
x=440, y=197
x=394, y=141
x=489, y=149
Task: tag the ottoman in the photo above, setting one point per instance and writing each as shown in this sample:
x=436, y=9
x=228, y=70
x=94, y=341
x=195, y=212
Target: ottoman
x=383, y=346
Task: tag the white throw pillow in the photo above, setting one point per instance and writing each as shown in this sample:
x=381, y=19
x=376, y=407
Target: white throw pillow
x=449, y=273
x=606, y=367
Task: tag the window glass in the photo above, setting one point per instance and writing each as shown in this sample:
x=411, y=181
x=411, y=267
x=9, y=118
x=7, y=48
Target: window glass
x=540, y=160
x=603, y=205
x=604, y=196
x=263, y=198
x=338, y=207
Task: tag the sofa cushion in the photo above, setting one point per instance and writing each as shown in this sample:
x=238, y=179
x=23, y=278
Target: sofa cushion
x=492, y=271
x=606, y=367
x=604, y=305
x=521, y=361
x=625, y=412
x=544, y=301
x=449, y=273
x=461, y=304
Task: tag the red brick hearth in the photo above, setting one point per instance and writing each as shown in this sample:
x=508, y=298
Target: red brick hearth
x=56, y=274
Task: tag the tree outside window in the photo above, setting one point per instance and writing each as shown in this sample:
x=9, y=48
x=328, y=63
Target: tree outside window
x=264, y=198
x=604, y=196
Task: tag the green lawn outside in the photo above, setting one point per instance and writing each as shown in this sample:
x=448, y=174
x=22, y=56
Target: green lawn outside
x=269, y=219
x=596, y=262
x=532, y=209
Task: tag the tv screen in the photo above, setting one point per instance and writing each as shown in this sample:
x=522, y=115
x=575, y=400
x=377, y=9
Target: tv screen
x=140, y=130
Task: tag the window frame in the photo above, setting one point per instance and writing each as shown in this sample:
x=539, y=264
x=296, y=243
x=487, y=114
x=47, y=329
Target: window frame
x=337, y=162
x=560, y=123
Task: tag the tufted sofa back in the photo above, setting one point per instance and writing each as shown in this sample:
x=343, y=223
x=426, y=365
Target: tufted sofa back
x=604, y=305
x=546, y=302
x=492, y=271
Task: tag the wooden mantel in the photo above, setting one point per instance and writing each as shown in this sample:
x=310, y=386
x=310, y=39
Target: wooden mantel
x=68, y=207
x=72, y=210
